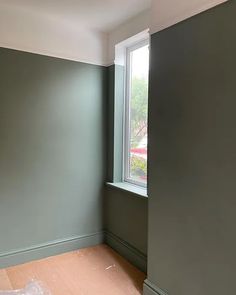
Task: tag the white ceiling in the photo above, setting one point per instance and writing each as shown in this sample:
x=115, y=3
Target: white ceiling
x=87, y=30
x=103, y=15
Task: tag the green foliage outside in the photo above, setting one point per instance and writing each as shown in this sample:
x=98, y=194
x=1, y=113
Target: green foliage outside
x=139, y=105
x=138, y=166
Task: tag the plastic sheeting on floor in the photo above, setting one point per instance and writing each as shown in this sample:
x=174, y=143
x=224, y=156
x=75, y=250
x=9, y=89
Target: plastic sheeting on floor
x=33, y=288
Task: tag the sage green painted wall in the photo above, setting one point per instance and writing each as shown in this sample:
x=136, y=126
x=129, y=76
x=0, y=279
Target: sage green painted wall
x=115, y=107
x=52, y=149
x=192, y=155
x=126, y=217
x=110, y=123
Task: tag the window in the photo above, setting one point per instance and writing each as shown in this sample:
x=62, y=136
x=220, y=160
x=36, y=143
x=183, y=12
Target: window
x=135, y=115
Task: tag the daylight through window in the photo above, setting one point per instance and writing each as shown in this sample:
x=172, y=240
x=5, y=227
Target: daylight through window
x=136, y=110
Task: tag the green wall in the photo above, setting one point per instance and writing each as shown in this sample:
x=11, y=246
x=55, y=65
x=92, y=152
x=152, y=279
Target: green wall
x=127, y=217
x=52, y=153
x=126, y=222
x=192, y=155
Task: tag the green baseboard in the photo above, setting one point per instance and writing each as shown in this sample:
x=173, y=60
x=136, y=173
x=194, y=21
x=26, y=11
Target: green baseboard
x=129, y=252
x=49, y=249
x=151, y=289
x=55, y=247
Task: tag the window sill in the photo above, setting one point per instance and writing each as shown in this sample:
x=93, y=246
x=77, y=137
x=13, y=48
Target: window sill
x=131, y=188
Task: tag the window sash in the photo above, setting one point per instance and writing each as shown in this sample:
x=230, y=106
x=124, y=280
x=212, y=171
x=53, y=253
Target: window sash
x=127, y=119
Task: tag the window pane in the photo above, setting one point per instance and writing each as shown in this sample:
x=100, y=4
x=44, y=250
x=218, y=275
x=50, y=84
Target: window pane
x=139, y=68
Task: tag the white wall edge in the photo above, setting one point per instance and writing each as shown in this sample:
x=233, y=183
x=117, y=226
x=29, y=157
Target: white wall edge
x=109, y=64
x=120, y=48
x=184, y=15
x=132, y=27
x=52, y=54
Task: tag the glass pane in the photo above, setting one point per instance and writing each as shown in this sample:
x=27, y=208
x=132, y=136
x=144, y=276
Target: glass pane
x=139, y=68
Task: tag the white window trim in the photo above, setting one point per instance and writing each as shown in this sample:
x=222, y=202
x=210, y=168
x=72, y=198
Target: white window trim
x=126, y=119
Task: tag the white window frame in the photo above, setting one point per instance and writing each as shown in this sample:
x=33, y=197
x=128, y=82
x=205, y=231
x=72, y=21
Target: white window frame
x=126, y=118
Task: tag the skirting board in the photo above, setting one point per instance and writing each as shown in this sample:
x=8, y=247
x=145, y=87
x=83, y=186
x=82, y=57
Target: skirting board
x=151, y=289
x=49, y=249
x=129, y=252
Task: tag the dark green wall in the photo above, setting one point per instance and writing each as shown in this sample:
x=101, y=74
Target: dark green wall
x=192, y=155
x=126, y=217
x=52, y=149
x=126, y=225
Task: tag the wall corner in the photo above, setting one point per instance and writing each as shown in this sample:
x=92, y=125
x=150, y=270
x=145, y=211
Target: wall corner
x=151, y=289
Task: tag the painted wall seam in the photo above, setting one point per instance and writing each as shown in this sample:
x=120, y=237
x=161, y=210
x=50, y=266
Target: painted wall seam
x=151, y=289
x=131, y=253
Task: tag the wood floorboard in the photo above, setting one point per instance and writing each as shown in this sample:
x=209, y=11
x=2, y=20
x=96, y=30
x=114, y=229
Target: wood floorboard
x=5, y=283
x=92, y=271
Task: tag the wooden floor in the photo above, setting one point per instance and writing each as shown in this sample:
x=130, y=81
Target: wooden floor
x=92, y=271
